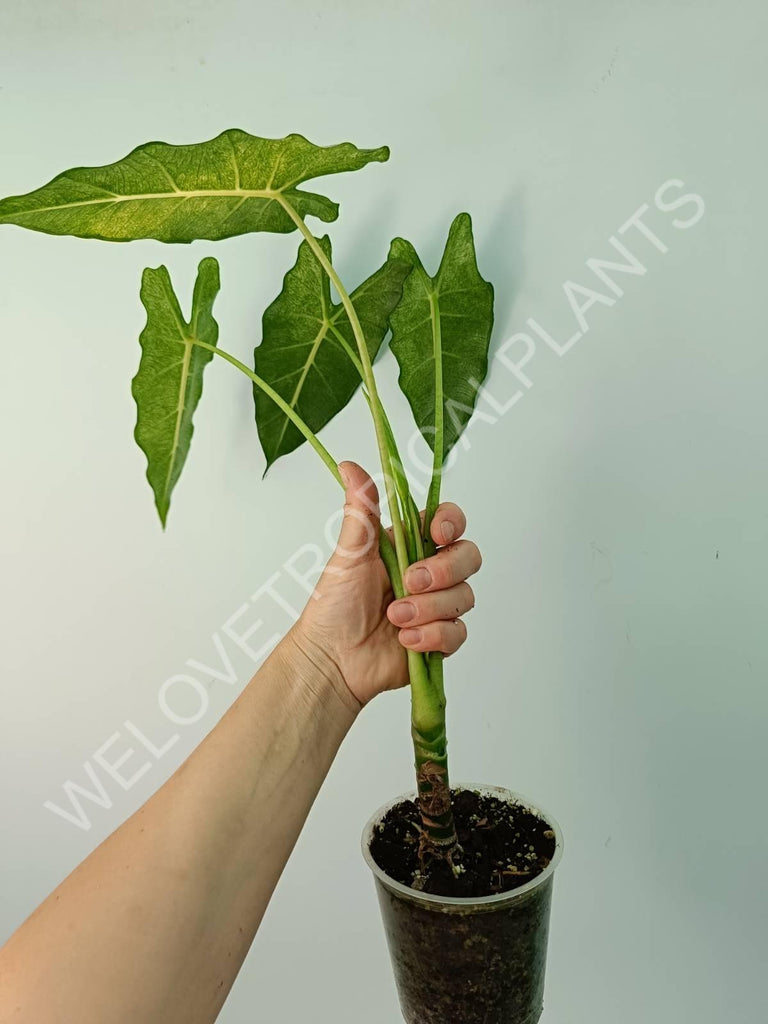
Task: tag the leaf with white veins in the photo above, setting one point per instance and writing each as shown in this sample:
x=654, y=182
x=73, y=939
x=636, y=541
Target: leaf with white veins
x=306, y=343
x=227, y=186
x=441, y=331
x=169, y=381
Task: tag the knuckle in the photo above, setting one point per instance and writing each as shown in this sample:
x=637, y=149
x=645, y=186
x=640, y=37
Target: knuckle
x=454, y=634
x=474, y=552
x=441, y=574
x=443, y=636
x=430, y=638
x=454, y=559
x=423, y=607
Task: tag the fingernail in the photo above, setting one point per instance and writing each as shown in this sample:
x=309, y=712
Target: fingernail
x=418, y=579
x=409, y=637
x=448, y=531
x=344, y=475
x=401, y=613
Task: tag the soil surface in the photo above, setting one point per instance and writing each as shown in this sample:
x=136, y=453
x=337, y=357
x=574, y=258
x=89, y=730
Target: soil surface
x=503, y=846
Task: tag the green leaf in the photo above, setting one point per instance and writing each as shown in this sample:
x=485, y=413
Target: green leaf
x=441, y=330
x=307, y=341
x=169, y=381
x=227, y=186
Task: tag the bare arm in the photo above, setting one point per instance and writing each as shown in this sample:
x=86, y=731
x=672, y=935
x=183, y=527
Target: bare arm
x=154, y=925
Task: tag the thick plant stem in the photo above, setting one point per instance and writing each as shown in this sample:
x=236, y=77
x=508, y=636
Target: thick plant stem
x=427, y=695
x=431, y=752
x=386, y=550
x=432, y=774
x=428, y=729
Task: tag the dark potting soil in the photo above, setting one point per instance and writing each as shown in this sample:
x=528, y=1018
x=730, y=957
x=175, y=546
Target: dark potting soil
x=503, y=846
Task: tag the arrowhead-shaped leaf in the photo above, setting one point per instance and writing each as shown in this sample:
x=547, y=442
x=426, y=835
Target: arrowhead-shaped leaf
x=169, y=381
x=227, y=186
x=447, y=318
x=303, y=353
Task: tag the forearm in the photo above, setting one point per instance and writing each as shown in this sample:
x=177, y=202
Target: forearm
x=155, y=924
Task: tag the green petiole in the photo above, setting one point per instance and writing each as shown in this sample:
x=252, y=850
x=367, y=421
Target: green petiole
x=386, y=550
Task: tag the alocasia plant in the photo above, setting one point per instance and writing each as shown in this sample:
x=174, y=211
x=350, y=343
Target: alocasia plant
x=314, y=353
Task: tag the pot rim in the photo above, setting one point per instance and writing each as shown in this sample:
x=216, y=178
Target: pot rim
x=510, y=896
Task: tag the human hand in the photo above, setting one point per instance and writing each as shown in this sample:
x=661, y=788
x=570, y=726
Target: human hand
x=353, y=630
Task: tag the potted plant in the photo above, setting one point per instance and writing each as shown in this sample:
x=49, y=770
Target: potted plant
x=464, y=875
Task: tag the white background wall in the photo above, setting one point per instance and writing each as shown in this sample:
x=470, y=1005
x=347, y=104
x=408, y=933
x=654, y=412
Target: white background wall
x=617, y=665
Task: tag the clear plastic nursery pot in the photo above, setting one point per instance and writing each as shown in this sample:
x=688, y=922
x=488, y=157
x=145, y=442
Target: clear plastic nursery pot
x=468, y=961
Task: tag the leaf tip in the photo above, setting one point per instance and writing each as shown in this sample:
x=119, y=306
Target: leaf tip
x=398, y=247
x=208, y=263
x=271, y=460
x=462, y=222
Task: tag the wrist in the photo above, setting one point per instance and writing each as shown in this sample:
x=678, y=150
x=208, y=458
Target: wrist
x=309, y=666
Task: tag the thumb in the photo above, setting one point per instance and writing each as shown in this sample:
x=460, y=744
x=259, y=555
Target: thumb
x=359, y=537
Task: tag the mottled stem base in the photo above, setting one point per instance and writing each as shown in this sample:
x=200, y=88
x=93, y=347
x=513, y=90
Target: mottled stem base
x=438, y=839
